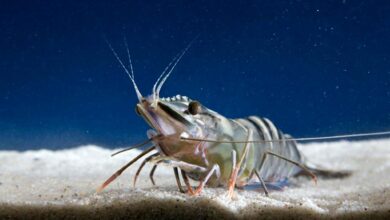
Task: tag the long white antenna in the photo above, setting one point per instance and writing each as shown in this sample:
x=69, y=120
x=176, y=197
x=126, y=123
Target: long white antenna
x=128, y=55
x=139, y=95
x=162, y=74
x=294, y=139
x=157, y=91
x=340, y=136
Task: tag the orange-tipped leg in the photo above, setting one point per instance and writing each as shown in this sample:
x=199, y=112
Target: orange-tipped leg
x=233, y=176
x=109, y=180
x=203, y=182
x=187, y=182
x=119, y=172
x=232, y=182
x=236, y=167
x=198, y=189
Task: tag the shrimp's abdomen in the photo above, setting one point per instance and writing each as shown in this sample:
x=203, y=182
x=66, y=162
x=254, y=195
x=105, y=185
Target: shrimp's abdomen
x=271, y=139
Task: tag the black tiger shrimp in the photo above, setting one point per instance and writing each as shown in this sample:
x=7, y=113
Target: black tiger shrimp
x=212, y=149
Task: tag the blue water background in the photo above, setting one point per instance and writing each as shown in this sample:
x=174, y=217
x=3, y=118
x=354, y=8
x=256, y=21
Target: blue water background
x=313, y=67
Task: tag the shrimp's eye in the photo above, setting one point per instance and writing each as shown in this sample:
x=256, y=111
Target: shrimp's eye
x=194, y=107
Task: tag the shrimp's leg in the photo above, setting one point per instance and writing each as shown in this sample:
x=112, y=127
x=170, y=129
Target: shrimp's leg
x=262, y=183
x=203, y=182
x=233, y=175
x=288, y=160
x=181, y=164
x=187, y=182
x=119, y=172
x=184, y=167
x=142, y=166
x=236, y=167
x=175, y=170
x=151, y=174
x=311, y=174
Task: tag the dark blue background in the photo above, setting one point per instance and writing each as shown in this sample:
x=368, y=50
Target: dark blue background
x=313, y=67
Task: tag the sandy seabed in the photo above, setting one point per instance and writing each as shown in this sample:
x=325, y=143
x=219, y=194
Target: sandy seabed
x=62, y=184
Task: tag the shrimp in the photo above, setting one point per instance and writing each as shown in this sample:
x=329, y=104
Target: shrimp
x=212, y=149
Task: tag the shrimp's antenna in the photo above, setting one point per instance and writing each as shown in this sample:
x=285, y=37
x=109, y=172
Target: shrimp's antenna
x=293, y=139
x=132, y=147
x=162, y=74
x=131, y=76
x=128, y=55
x=157, y=91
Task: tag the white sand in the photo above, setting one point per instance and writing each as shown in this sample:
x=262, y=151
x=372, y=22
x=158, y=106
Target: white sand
x=68, y=178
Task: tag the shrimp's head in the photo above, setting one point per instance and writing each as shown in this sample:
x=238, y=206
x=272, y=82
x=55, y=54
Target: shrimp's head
x=173, y=119
x=170, y=118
